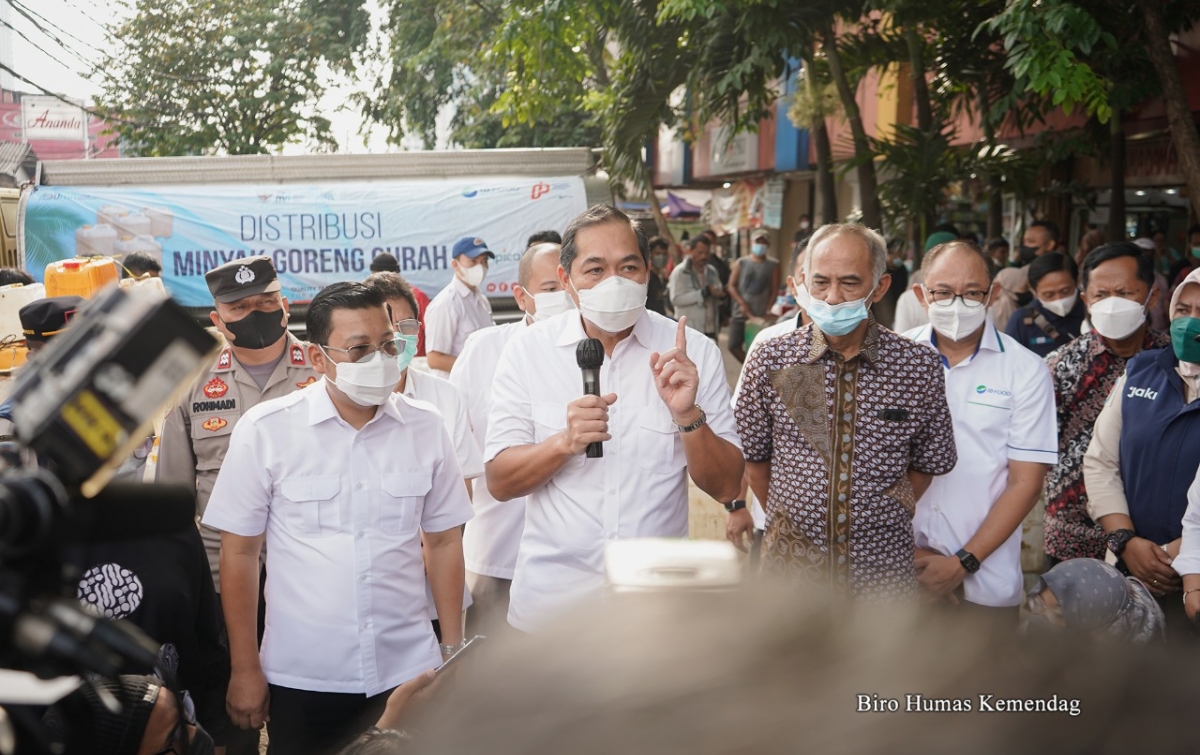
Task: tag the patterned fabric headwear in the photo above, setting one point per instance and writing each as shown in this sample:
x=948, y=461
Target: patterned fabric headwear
x=1094, y=596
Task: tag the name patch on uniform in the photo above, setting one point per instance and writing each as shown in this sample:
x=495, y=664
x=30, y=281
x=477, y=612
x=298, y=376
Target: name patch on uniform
x=224, y=360
x=212, y=424
x=308, y=382
x=297, y=354
x=215, y=388
x=213, y=406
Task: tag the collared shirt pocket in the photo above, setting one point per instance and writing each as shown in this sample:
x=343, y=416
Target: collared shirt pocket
x=989, y=409
x=210, y=438
x=311, y=506
x=549, y=418
x=657, y=442
x=402, y=497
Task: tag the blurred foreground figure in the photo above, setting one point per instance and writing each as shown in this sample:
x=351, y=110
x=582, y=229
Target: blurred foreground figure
x=1088, y=596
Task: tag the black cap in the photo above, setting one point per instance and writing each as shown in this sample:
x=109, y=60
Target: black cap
x=44, y=318
x=241, y=278
x=82, y=723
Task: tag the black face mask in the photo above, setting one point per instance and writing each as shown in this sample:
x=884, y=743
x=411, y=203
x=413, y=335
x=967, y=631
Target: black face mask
x=257, y=330
x=1027, y=254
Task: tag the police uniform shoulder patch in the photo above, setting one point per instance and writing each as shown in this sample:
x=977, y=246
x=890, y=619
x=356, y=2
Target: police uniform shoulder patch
x=225, y=360
x=298, y=354
x=311, y=379
x=216, y=388
x=212, y=424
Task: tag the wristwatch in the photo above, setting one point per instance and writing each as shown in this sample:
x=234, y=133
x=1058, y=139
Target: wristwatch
x=968, y=560
x=733, y=506
x=699, y=423
x=1118, y=539
x=449, y=650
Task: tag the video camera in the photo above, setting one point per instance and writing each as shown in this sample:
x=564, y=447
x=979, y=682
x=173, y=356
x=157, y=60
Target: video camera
x=82, y=405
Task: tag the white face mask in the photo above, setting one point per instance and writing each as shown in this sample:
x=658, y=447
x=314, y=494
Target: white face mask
x=368, y=383
x=1116, y=317
x=956, y=321
x=1061, y=307
x=803, y=298
x=547, y=304
x=472, y=276
x=613, y=304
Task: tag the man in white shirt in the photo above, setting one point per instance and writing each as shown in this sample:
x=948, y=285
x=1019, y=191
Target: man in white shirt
x=968, y=523
x=665, y=413
x=342, y=481
x=490, y=543
x=460, y=308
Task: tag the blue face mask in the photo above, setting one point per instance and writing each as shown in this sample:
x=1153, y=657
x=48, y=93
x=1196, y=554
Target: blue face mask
x=405, y=356
x=759, y=250
x=838, y=319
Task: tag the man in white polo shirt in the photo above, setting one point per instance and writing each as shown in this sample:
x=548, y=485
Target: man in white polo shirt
x=460, y=308
x=343, y=481
x=968, y=524
x=664, y=414
x=490, y=543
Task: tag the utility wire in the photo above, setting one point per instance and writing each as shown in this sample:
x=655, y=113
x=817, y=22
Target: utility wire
x=90, y=111
x=35, y=17
x=43, y=50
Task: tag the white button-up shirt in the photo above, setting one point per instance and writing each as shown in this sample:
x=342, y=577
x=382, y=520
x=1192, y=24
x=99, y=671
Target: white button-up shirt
x=343, y=511
x=490, y=543
x=455, y=313
x=1002, y=402
x=638, y=489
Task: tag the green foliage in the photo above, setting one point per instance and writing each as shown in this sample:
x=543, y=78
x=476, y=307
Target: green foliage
x=193, y=77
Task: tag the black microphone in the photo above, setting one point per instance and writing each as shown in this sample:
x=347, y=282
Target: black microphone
x=589, y=354
x=133, y=511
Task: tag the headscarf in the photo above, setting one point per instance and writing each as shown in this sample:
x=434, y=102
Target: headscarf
x=1096, y=598
x=941, y=237
x=1187, y=370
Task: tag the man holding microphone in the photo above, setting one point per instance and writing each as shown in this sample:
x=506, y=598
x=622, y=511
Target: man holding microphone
x=665, y=413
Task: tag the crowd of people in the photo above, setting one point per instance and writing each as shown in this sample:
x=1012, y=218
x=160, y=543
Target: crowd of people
x=334, y=475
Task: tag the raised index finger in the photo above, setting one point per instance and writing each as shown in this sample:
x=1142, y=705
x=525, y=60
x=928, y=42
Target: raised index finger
x=681, y=335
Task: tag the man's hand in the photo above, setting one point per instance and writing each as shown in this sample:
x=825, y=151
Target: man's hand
x=716, y=291
x=677, y=379
x=248, y=700
x=1150, y=563
x=941, y=575
x=587, y=422
x=739, y=529
x=407, y=696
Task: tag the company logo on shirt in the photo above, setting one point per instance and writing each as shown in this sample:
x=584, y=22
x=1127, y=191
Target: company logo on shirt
x=1145, y=393
x=983, y=389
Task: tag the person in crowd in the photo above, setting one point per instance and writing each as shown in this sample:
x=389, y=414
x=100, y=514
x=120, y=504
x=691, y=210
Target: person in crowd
x=460, y=308
x=695, y=289
x=1087, y=597
x=717, y=259
x=897, y=269
x=844, y=421
x=342, y=483
x=544, y=237
x=387, y=263
x=1187, y=563
x=1040, y=237
x=1089, y=241
x=1056, y=314
x=11, y=275
x=1144, y=453
x=1189, y=260
x=753, y=284
x=43, y=319
x=656, y=294
x=1159, y=316
x=1165, y=255
x=1117, y=288
x=664, y=414
x=490, y=543
x=909, y=312
x=142, y=265
x=747, y=520
x=997, y=248
x=968, y=523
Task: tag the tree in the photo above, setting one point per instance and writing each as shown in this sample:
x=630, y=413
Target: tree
x=225, y=76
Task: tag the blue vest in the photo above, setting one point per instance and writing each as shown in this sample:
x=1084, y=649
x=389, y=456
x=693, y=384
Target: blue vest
x=1160, y=445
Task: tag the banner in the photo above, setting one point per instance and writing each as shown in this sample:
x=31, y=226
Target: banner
x=315, y=234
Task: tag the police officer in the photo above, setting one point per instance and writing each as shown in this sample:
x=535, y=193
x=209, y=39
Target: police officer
x=262, y=361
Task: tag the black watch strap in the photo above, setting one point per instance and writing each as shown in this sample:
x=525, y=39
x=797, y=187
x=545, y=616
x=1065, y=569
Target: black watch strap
x=968, y=560
x=733, y=506
x=1118, y=539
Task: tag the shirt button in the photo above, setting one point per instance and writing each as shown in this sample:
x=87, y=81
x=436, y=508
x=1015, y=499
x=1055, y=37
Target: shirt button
x=366, y=625
x=612, y=491
x=361, y=535
x=359, y=486
x=363, y=578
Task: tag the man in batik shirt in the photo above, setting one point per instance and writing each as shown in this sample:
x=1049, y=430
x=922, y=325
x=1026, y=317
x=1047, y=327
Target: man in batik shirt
x=844, y=424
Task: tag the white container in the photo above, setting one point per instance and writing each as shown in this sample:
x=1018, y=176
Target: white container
x=135, y=224
x=143, y=243
x=110, y=214
x=93, y=241
x=162, y=221
x=148, y=282
x=639, y=564
x=12, y=298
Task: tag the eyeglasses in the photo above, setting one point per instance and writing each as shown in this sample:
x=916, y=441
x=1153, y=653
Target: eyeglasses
x=408, y=327
x=363, y=352
x=944, y=298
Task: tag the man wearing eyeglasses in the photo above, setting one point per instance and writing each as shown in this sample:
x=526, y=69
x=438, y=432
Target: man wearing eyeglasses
x=344, y=483
x=968, y=523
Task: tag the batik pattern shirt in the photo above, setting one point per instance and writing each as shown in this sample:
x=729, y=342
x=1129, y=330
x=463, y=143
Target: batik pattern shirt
x=841, y=436
x=1084, y=372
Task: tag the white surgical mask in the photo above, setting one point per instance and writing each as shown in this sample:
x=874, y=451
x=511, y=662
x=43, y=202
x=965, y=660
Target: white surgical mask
x=956, y=320
x=613, y=304
x=1117, y=317
x=803, y=298
x=473, y=276
x=368, y=383
x=1061, y=307
x=547, y=304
